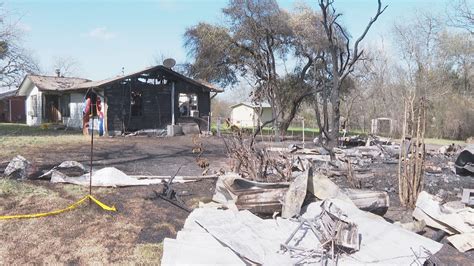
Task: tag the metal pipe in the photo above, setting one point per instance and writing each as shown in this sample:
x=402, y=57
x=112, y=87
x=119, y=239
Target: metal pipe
x=10, y=109
x=172, y=103
x=303, y=132
x=92, y=146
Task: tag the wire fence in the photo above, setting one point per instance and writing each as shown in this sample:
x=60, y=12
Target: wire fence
x=298, y=129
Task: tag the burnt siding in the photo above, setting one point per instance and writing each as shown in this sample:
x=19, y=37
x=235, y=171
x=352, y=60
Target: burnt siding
x=117, y=106
x=156, y=107
x=204, y=103
x=156, y=104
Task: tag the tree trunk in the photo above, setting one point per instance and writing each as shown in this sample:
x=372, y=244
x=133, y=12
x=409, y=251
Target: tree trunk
x=275, y=114
x=285, y=122
x=333, y=139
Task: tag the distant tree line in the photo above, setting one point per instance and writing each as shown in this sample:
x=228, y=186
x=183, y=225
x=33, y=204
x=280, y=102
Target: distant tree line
x=306, y=59
x=434, y=60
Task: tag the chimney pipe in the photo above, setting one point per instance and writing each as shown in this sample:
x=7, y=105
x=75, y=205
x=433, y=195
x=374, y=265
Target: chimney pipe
x=58, y=72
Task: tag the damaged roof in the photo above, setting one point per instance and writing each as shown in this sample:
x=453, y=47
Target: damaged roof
x=169, y=72
x=52, y=83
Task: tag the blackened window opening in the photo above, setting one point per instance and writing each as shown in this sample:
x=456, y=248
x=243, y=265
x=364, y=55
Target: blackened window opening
x=136, y=103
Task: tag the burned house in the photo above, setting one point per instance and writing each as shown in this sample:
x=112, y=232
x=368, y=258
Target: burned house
x=149, y=99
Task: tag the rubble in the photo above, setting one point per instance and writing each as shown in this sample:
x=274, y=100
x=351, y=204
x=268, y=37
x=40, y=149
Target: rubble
x=454, y=219
x=468, y=196
x=315, y=220
x=284, y=242
x=372, y=201
x=190, y=128
x=258, y=197
x=68, y=168
x=105, y=177
x=463, y=242
x=450, y=220
x=414, y=226
x=449, y=150
x=19, y=168
x=376, y=202
x=108, y=177
x=465, y=162
x=296, y=194
x=333, y=231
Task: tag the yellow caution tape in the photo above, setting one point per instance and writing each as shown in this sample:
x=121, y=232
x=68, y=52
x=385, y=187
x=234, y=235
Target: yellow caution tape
x=102, y=205
x=71, y=207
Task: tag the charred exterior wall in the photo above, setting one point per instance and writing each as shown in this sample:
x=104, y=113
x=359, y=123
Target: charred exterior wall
x=154, y=99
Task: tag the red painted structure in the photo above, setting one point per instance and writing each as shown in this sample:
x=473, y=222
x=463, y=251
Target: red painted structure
x=12, y=107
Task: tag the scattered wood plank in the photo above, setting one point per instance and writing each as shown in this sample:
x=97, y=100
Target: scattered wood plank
x=372, y=201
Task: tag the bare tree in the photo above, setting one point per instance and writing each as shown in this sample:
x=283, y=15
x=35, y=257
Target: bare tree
x=66, y=66
x=463, y=15
x=15, y=61
x=340, y=62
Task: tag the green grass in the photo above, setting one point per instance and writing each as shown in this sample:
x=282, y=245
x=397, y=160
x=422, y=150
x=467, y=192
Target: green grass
x=443, y=141
x=18, y=138
x=300, y=129
x=10, y=187
x=10, y=129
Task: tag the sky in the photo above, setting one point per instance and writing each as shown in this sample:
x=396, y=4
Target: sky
x=104, y=35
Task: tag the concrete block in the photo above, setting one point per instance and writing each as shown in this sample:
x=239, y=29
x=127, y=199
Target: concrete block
x=174, y=130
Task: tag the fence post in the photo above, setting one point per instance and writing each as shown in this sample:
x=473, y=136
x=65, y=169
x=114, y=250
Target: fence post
x=303, y=132
x=218, y=126
x=209, y=123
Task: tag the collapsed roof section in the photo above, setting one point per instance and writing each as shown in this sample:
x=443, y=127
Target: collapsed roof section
x=52, y=83
x=156, y=72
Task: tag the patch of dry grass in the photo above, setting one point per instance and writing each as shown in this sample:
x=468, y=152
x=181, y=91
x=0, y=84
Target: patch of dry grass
x=16, y=188
x=148, y=253
x=194, y=202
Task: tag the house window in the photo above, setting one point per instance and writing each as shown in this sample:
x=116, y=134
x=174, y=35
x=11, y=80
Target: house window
x=34, y=105
x=65, y=100
x=136, y=103
x=188, y=104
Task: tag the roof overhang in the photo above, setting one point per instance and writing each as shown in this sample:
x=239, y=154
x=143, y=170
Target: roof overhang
x=153, y=71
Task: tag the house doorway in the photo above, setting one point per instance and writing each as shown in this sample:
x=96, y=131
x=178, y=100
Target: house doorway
x=52, y=113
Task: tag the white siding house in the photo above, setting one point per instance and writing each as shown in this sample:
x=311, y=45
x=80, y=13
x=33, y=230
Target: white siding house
x=247, y=114
x=50, y=100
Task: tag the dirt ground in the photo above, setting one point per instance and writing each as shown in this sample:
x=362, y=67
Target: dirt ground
x=89, y=234
x=134, y=233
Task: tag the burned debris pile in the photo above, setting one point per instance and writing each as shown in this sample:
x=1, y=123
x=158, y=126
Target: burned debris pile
x=281, y=206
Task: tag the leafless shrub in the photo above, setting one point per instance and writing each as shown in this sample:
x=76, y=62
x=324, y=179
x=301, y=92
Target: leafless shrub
x=257, y=164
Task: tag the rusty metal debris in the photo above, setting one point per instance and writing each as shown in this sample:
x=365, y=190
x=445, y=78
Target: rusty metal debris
x=258, y=197
x=169, y=194
x=335, y=233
